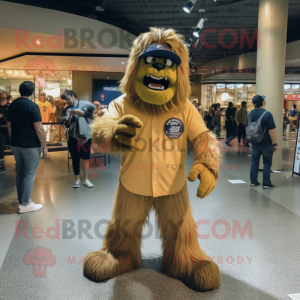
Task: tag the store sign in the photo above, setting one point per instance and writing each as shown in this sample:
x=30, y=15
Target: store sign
x=105, y=91
x=291, y=97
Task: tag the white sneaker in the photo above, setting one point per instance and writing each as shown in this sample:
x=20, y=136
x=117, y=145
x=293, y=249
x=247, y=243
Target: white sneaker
x=87, y=183
x=29, y=207
x=77, y=183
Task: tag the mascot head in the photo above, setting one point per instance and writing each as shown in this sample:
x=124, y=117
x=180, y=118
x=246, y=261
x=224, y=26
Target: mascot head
x=157, y=75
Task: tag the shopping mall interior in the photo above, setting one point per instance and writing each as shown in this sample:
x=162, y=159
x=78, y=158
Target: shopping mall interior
x=226, y=51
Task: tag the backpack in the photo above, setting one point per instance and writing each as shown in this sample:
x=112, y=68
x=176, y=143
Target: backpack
x=254, y=131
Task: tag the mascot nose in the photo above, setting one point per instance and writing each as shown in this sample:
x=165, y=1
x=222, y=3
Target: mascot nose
x=158, y=67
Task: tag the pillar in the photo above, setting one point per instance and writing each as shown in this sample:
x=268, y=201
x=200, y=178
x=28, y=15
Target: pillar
x=272, y=26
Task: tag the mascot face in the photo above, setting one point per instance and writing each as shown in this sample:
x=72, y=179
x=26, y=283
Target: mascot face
x=156, y=76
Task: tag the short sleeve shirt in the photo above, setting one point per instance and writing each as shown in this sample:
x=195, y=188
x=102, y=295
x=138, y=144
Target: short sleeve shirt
x=228, y=113
x=22, y=113
x=292, y=113
x=266, y=122
x=45, y=109
x=158, y=169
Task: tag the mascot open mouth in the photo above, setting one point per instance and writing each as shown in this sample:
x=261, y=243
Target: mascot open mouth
x=156, y=83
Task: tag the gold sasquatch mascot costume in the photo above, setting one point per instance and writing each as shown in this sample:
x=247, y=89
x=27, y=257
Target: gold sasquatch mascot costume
x=149, y=126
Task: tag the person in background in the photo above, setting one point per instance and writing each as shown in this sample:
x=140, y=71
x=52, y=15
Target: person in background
x=46, y=113
x=228, y=121
x=78, y=118
x=266, y=147
x=9, y=99
x=286, y=121
x=208, y=121
x=98, y=111
x=234, y=128
x=3, y=129
x=26, y=133
x=241, y=117
x=293, y=115
x=217, y=113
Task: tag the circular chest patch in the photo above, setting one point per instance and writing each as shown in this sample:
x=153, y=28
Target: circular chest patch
x=173, y=128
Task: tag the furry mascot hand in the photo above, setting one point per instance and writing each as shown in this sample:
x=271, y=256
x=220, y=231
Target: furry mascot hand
x=125, y=130
x=207, y=180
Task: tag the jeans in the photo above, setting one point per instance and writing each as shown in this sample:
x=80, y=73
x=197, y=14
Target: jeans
x=79, y=149
x=218, y=127
x=2, y=145
x=228, y=127
x=27, y=162
x=267, y=153
x=233, y=133
x=241, y=132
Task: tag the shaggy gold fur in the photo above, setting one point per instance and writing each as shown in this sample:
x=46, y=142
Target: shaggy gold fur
x=206, y=151
x=115, y=136
x=182, y=256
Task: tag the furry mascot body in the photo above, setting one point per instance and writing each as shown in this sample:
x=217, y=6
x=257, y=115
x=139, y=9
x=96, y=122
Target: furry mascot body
x=154, y=110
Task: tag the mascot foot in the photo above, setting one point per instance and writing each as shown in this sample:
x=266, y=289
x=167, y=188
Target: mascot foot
x=205, y=276
x=101, y=265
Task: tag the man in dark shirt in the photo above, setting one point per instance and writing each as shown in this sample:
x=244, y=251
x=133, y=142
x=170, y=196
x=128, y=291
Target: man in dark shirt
x=3, y=129
x=228, y=122
x=26, y=134
x=266, y=147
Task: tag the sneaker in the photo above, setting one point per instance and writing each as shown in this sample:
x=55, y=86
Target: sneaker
x=77, y=184
x=255, y=184
x=87, y=183
x=269, y=186
x=2, y=170
x=29, y=207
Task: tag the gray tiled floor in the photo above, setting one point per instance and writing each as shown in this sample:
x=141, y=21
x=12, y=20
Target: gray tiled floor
x=272, y=272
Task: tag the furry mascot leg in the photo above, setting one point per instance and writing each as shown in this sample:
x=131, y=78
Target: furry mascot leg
x=182, y=255
x=121, y=251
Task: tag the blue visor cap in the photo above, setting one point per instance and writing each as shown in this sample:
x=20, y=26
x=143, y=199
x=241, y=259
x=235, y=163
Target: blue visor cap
x=163, y=51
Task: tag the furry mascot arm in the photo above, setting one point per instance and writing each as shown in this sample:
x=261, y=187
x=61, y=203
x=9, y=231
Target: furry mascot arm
x=117, y=134
x=206, y=163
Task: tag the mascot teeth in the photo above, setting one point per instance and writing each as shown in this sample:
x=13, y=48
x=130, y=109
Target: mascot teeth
x=156, y=83
x=157, y=78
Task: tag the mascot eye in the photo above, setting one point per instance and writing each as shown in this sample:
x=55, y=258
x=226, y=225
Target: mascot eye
x=169, y=62
x=149, y=60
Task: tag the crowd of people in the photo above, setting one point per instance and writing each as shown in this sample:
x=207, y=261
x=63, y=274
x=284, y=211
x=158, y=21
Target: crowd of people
x=258, y=126
x=21, y=126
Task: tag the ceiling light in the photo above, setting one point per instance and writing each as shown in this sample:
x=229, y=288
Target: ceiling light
x=64, y=78
x=99, y=8
x=38, y=42
x=199, y=28
x=189, y=7
x=123, y=63
x=16, y=72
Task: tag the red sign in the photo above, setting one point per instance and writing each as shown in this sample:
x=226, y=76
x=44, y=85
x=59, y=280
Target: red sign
x=291, y=97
